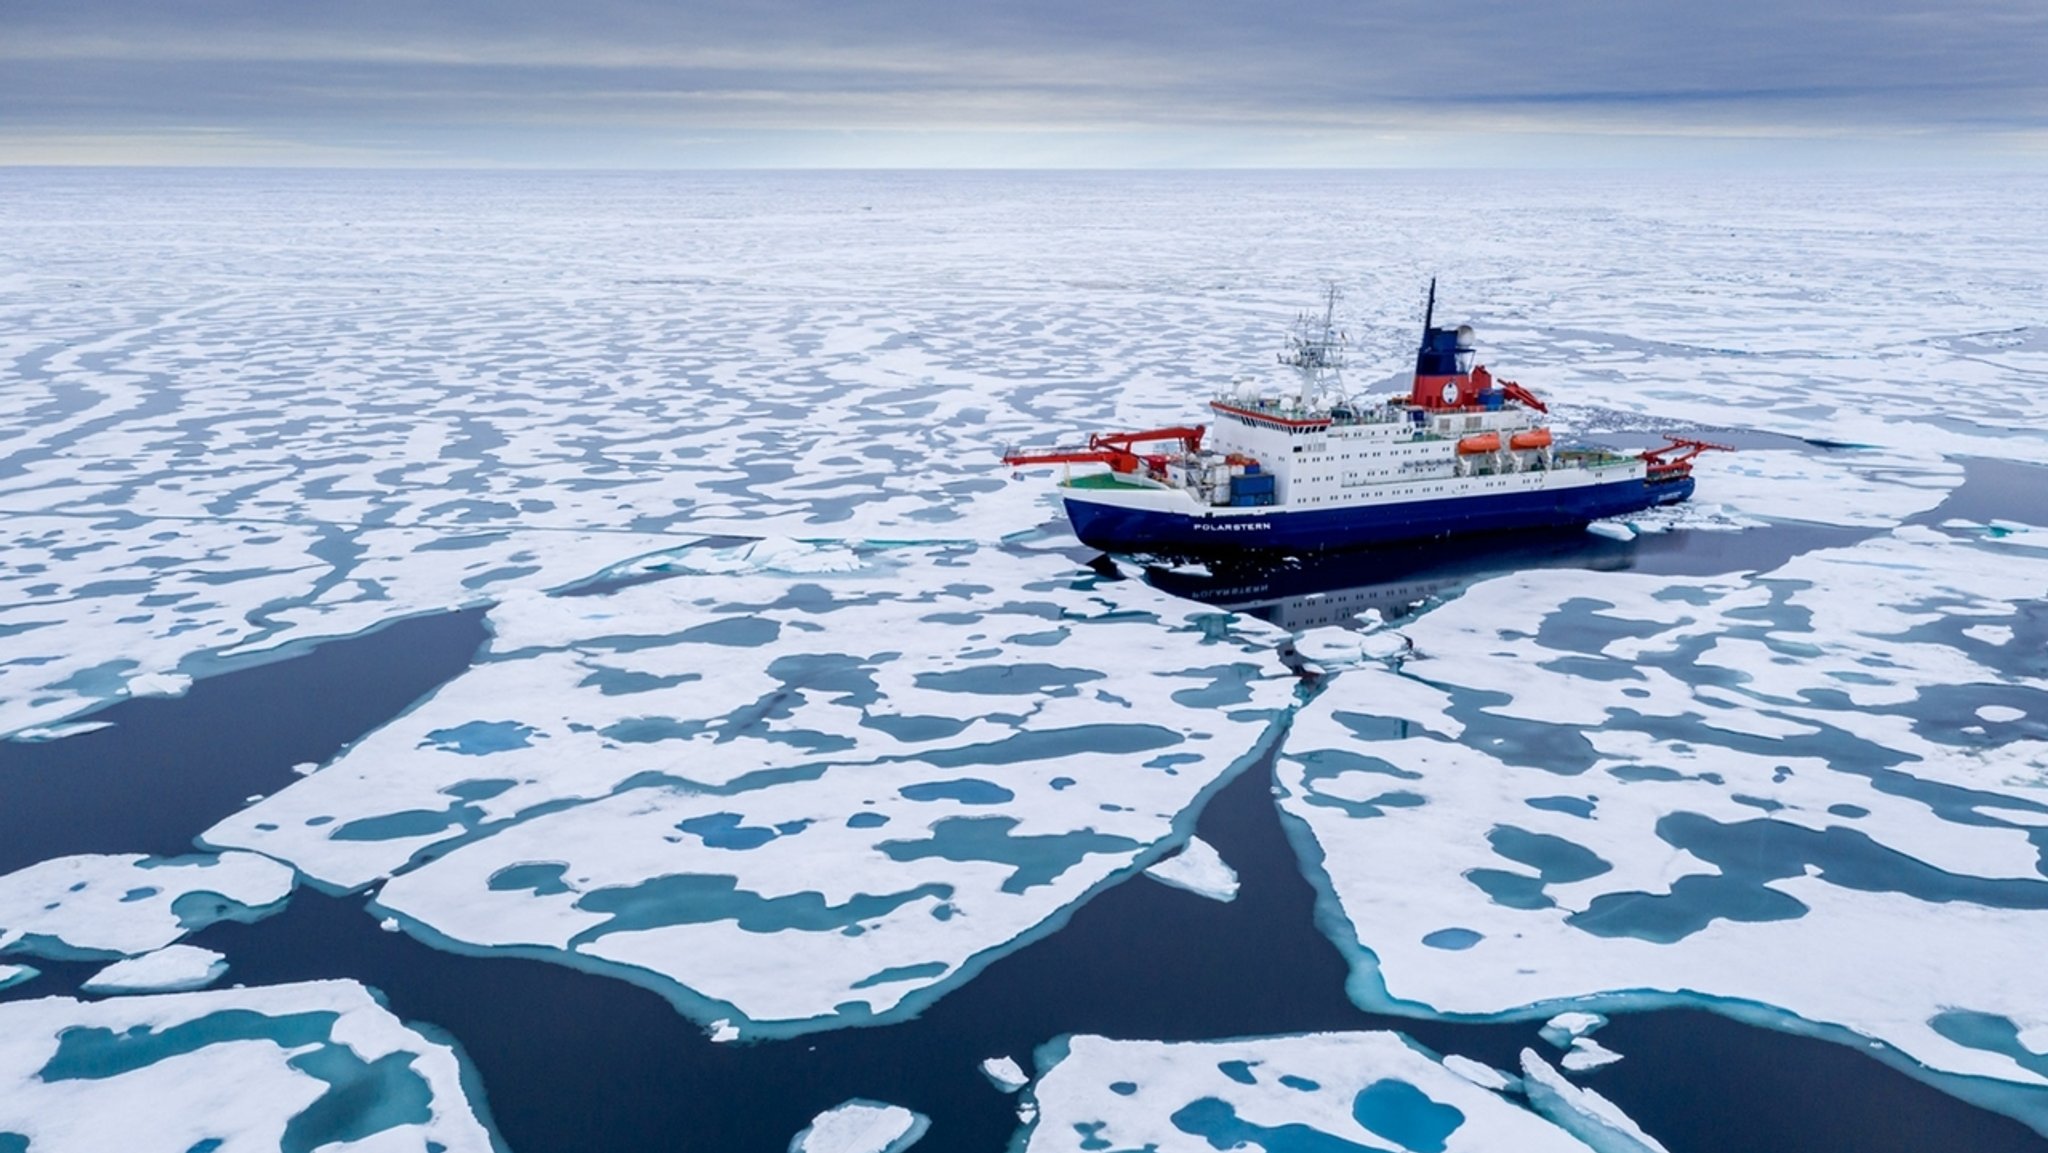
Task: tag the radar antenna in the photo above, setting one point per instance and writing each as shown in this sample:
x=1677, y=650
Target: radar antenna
x=1317, y=348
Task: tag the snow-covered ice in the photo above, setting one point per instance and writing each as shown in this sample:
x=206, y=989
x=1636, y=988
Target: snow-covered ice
x=12, y=975
x=1611, y=530
x=1199, y=869
x=171, y=969
x=283, y=1067
x=222, y=447
x=1479, y=1073
x=1586, y=1054
x=1564, y=1028
x=1315, y=1091
x=1005, y=1074
x=859, y=1126
x=1733, y=791
x=792, y=800
x=124, y=905
x=1585, y=1114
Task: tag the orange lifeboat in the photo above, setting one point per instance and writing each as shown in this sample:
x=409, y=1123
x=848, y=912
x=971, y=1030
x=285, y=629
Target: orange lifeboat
x=1531, y=438
x=1484, y=442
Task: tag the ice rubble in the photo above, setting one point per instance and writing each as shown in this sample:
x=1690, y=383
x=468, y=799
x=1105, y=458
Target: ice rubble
x=103, y=906
x=1571, y=1025
x=1372, y=1091
x=791, y=801
x=171, y=969
x=859, y=1126
x=1731, y=790
x=1199, y=869
x=286, y=1067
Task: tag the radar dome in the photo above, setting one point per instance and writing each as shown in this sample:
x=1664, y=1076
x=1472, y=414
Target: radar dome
x=1466, y=339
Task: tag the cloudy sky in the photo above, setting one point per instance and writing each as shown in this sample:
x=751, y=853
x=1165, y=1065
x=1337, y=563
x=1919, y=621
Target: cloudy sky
x=1090, y=83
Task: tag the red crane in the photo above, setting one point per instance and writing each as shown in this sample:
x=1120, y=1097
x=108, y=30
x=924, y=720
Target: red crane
x=1666, y=467
x=1115, y=449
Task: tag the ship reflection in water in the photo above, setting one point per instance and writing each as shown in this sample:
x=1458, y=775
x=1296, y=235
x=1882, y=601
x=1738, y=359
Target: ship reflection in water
x=1324, y=589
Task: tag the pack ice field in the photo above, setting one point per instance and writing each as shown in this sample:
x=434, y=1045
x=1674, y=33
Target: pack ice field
x=801, y=710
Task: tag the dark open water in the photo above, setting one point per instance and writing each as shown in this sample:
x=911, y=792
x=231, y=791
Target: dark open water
x=571, y=1061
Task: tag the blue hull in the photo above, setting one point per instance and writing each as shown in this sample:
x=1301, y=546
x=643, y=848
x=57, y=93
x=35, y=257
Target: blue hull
x=1124, y=530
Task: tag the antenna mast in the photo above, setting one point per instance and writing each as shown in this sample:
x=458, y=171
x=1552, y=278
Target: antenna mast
x=1317, y=349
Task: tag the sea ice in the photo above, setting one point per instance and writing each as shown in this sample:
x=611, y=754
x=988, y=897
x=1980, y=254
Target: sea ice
x=1567, y=1027
x=1199, y=869
x=1583, y=1113
x=1368, y=1091
x=1732, y=791
x=12, y=975
x=292, y=1067
x=792, y=800
x=1005, y=1074
x=1855, y=488
x=158, y=685
x=171, y=969
x=1611, y=530
x=1587, y=1054
x=1483, y=1075
x=859, y=1126
x=1336, y=647
x=125, y=905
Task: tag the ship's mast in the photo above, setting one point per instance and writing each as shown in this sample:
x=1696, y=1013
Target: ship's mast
x=1317, y=349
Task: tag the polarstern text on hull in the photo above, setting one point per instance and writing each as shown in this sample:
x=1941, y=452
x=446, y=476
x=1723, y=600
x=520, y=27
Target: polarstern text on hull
x=1313, y=470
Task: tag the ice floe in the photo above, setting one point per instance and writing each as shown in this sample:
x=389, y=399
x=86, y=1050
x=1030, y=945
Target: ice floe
x=224, y=448
x=1479, y=1073
x=127, y=904
x=171, y=969
x=12, y=975
x=791, y=800
x=1315, y=1091
x=1005, y=1074
x=1569, y=1026
x=1759, y=793
x=1852, y=488
x=1612, y=530
x=1199, y=869
x=859, y=1126
x=1336, y=647
x=1582, y=1112
x=1585, y=1054
x=290, y=1067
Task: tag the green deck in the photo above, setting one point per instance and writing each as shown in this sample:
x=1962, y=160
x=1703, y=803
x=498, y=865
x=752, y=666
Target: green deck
x=1100, y=480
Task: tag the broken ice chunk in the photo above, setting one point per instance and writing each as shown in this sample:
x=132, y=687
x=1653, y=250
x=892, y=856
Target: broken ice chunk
x=158, y=685
x=1005, y=1073
x=171, y=969
x=859, y=1126
x=1565, y=1028
x=1612, y=530
x=1581, y=1112
x=1587, y=1054
x=1199, y=869
x=1482, y=1075
x=12, y=975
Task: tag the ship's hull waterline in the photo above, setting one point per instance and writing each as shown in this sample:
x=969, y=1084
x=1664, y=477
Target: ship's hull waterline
x=1101, y=522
